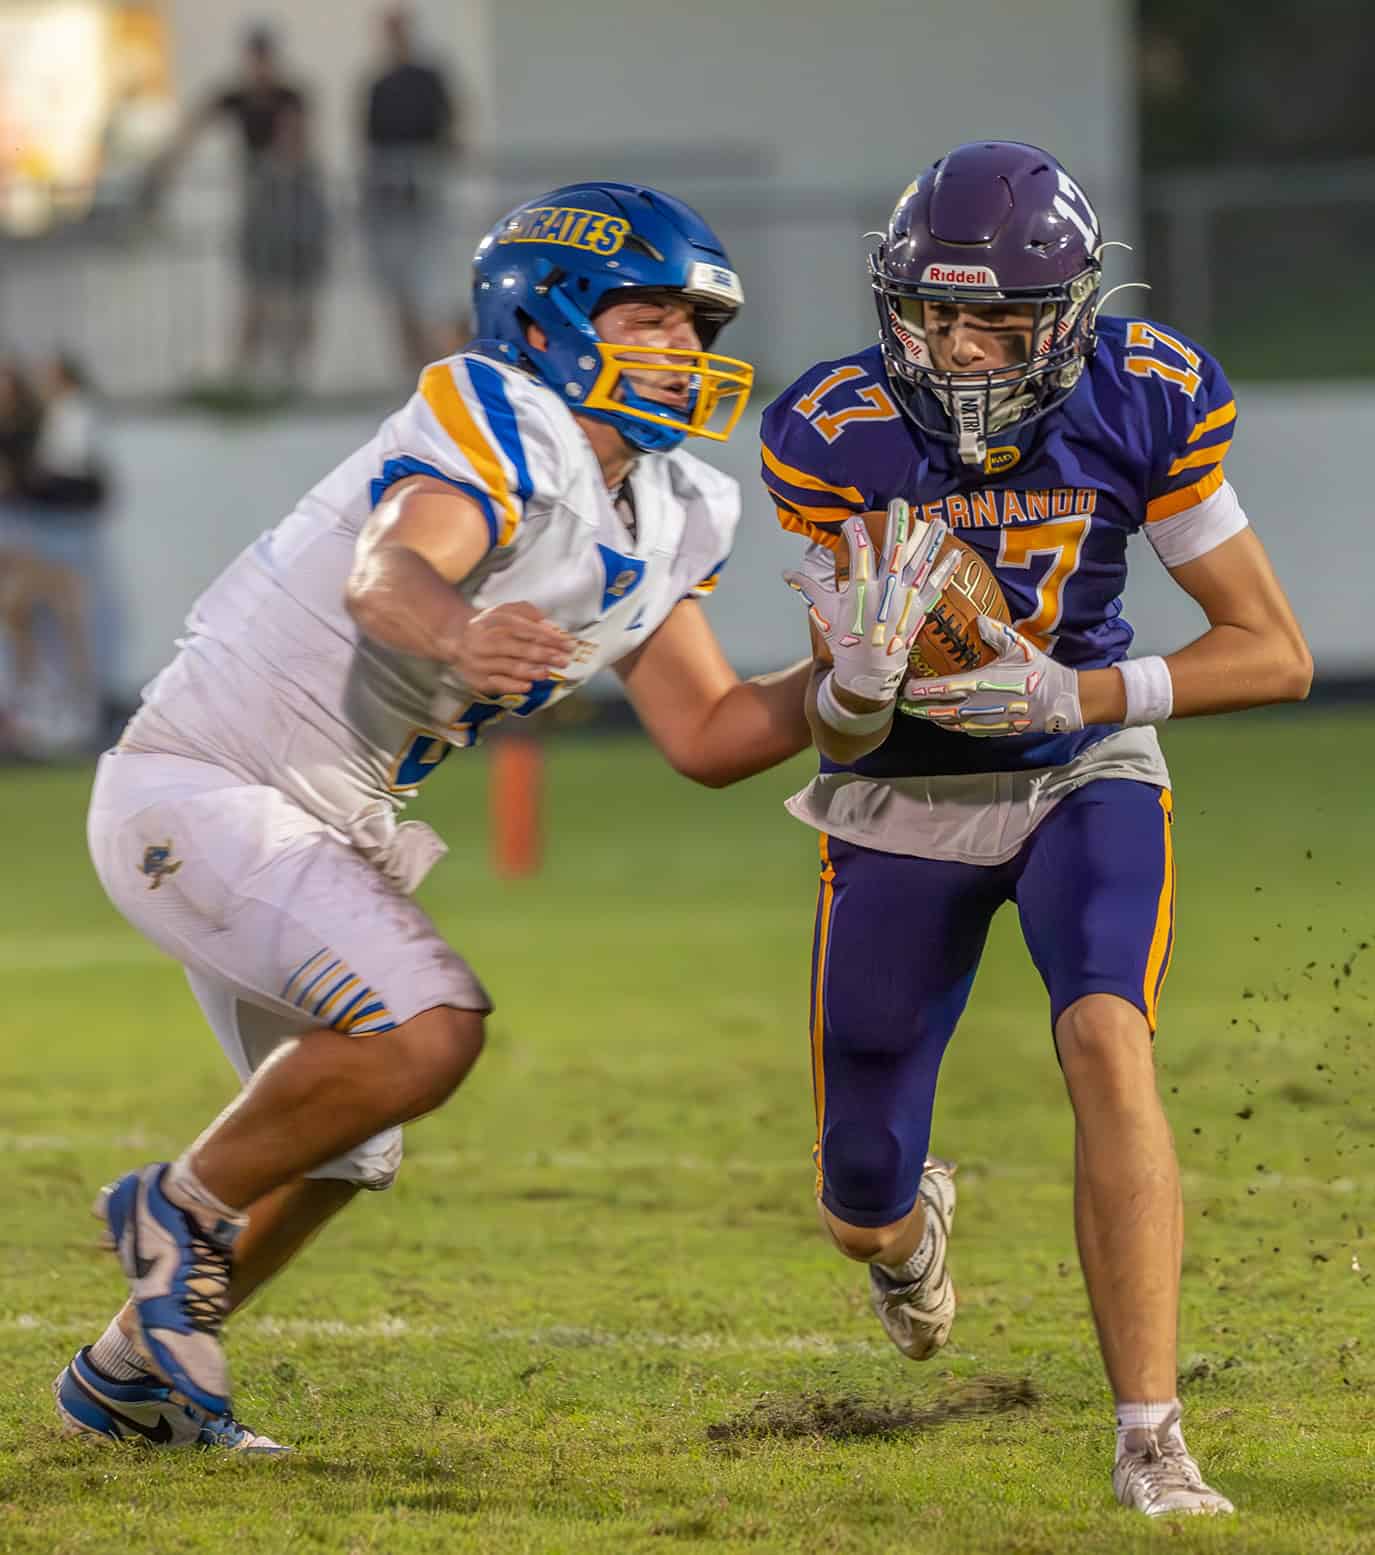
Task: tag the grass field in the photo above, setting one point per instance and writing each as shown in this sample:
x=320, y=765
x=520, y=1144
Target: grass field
x=606, y=1247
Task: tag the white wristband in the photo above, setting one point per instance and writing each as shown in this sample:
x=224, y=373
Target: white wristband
x=1150, y=691
x=841, y=718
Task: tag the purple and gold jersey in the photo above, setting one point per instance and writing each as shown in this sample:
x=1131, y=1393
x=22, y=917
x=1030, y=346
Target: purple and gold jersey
x=1140, y=443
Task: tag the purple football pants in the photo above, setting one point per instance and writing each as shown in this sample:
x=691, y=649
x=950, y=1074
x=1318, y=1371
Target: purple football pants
x=897, y=944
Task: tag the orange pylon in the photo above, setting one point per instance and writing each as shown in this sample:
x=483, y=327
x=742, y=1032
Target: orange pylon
x=516, y=783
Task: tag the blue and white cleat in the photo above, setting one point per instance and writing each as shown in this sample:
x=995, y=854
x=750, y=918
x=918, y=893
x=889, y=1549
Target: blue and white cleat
x=232, y=1435
x=177, y=1263
x=90, y=1404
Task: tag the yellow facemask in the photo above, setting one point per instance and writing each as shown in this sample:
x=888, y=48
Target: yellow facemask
x=720, y=388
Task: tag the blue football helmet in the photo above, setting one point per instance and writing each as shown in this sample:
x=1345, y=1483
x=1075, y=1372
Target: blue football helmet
x=556, y=260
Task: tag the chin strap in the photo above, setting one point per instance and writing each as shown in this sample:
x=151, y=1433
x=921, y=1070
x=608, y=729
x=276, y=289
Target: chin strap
x=967, y=412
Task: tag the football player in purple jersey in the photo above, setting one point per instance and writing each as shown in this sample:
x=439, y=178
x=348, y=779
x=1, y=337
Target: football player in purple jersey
x=999, y=402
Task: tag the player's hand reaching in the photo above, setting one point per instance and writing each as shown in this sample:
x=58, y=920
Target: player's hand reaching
x=1022, y=691
x=869, y=621
x=505, y=649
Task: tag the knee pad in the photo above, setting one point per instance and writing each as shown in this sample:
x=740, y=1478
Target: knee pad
x=372, y=1165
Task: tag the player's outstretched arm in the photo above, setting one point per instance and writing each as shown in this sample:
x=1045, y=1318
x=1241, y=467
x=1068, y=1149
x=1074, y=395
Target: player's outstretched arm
x=1253, y=652
x=422, y=538
x=712, y=726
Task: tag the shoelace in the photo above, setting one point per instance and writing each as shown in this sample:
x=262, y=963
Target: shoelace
x=208, y=1283
x=900, y=1295
x=1165, y=1468
x=227, y=1428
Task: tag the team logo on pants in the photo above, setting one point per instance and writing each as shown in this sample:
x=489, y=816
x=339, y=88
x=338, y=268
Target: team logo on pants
x=158, y=864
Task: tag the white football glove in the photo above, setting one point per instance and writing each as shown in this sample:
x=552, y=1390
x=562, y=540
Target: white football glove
x=1023, y=691
x=869, y=621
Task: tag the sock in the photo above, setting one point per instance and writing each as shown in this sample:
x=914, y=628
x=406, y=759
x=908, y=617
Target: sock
x=1150, y=1417
x=184, y=1188
x=915, y=1268
x=117, y=1356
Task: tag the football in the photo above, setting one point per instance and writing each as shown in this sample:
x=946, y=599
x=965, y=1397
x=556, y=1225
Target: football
x=949, y=641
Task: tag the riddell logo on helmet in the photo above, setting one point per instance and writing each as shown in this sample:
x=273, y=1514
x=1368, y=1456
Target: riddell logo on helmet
x=960, y=275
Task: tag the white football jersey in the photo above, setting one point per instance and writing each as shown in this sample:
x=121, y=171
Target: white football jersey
x=275, y=682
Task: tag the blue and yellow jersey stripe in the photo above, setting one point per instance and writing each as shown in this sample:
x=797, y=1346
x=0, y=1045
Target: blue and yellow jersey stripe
x=371, y=1018
x=491, y=392
x=501, y=494
x=708, y=584
x=324, y=988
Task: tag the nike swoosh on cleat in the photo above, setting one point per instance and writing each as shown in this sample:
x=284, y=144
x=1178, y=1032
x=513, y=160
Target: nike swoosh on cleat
x=159, y=1435
x=143, y=1267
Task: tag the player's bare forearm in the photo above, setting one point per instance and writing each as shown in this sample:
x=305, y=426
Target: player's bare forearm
x=423, y=538
x=713, y=727
x=1226, y=670
x=398, y=598
x=1252, y=654
x=753, y=727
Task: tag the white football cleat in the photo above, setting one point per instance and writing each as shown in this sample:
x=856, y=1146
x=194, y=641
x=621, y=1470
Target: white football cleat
x=918, y=1318
x=1157, y=1476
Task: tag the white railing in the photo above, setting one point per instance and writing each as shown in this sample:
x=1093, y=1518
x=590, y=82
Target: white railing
x=1226, y=243
x=1261, y=264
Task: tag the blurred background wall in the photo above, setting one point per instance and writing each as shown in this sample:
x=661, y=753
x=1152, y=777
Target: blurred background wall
x=792, y=124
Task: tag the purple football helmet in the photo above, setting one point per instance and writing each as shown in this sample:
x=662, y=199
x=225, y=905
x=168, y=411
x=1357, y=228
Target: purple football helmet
x=992, y=221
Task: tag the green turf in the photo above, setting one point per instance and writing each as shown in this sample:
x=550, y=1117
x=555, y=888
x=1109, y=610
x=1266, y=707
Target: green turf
x=606, y=1245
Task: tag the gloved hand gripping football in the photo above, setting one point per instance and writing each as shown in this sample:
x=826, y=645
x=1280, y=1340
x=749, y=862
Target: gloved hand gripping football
x=1023, y=691
x=870, y=620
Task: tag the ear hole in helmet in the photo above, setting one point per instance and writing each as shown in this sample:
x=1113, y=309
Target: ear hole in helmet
x=526, y=325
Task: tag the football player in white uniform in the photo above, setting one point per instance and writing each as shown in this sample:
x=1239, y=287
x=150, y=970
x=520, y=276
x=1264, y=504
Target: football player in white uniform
x=525, y=520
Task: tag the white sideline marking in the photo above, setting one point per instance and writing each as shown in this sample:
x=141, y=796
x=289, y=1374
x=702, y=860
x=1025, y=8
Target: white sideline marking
x=560, y=1338
x=569, y=1338
x=582, y=1161
x=137, y=1141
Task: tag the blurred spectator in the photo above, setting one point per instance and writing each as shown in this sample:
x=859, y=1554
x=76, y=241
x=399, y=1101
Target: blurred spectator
x=68, y=473
x=54, y=704
x=412, y=130
x=21, y=420
x=284, y=249
x=270, y=114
